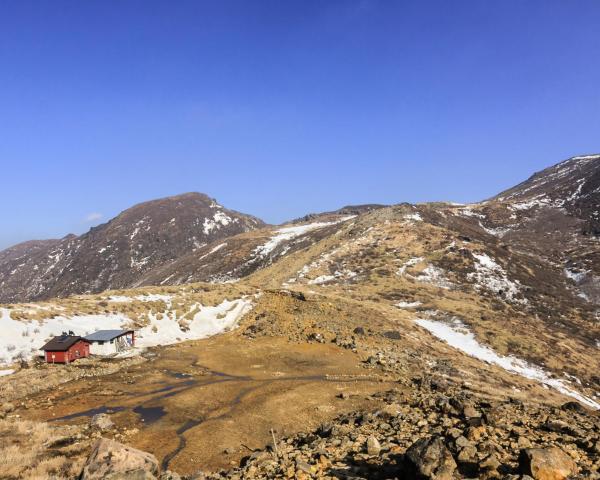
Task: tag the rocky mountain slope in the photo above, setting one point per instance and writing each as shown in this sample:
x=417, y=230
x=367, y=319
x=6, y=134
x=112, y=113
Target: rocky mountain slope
x=573, y=185
x=552, y=216
x=435, y=341
x=118, y=253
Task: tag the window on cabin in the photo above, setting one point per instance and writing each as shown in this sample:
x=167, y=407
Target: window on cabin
x=101, y=342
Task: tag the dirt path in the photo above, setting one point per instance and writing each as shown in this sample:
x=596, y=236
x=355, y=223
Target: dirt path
x=207, y=404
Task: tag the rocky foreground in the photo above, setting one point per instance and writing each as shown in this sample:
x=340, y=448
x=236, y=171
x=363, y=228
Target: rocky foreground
x=437, y=431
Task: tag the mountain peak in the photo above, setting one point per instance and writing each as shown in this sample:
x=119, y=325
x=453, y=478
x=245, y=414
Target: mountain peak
x=115, y=254
x=562, y=183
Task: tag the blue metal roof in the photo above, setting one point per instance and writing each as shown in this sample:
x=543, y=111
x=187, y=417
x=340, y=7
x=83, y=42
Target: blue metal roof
x=106, y=335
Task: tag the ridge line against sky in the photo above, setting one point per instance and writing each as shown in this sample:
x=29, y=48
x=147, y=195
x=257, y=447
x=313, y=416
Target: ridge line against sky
x=278, y=109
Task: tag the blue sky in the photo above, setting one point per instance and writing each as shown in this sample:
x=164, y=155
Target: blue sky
x=279, y=108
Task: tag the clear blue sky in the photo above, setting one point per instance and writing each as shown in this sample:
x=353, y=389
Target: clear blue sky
x=279, y=108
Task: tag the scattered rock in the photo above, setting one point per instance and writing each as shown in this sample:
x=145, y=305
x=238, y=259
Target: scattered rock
x=373, y=446
x=390, y=411
x=573, y=407
x=392, y=335
x=102, y=422
x=62, y=441
x=6, y=407
x=303, y=466
x=546, y=463
x=430, y=458
x=168, y=475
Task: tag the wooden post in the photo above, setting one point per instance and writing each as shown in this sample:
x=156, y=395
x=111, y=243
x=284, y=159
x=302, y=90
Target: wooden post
x=275, y=444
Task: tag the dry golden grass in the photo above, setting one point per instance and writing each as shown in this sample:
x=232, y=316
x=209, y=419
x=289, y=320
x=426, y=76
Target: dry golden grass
x=45, y=377
x=376, y=249
x=24, y=451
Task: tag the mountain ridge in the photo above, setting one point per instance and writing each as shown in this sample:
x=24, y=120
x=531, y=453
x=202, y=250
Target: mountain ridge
x=471, y=323
x=193, y=238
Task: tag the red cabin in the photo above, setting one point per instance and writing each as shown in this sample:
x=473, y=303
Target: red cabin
x=66, y=348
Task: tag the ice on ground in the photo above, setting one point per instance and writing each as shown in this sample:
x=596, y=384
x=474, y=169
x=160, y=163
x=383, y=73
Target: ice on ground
x=491, y=276
x=408, y=304
x=459, y=337
x=3, y=373
x=20, y=339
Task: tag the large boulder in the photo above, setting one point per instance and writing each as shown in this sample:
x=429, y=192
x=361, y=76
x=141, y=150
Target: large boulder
x=429, y=458
x=546, y=463
x=111, y=460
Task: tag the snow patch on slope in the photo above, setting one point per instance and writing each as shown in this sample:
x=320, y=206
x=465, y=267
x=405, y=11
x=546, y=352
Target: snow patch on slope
x=408, y=304
x=343, y=275
x=207, y=322
x=218, y=220
x=416, y=217
x=23, y=339
x=435, y=276
x=459, y=337
x=289, y=233
x=213, y=250
x=411, y=262
x=149, y=297
x=468, y=212
x=491, y=276
x=496, y=232
x=577, y=277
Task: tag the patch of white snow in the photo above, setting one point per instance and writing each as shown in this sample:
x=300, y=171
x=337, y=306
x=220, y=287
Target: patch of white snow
x=459, y=337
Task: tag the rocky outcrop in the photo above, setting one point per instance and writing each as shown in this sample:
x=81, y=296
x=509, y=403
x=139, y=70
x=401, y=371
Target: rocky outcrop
x=111, y=460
